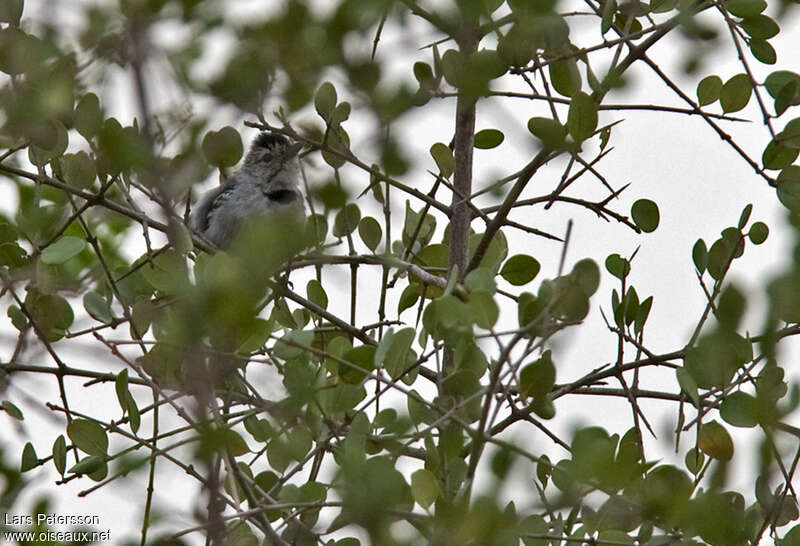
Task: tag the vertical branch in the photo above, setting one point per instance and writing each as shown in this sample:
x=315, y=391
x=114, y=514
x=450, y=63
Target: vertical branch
x=462, y=175
x=460, y=213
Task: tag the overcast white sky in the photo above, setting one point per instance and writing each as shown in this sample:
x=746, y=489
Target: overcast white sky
x=700, y=184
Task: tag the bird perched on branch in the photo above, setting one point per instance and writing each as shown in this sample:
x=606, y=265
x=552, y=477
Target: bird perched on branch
x=267, y=184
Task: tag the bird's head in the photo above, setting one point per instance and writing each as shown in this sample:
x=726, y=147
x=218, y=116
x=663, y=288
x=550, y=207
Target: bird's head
x=272, y=148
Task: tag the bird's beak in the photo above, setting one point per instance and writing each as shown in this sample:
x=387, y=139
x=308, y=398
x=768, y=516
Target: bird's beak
x=294, y=149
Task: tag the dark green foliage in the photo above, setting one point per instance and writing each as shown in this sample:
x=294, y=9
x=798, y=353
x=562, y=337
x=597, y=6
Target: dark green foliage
x=376, y=370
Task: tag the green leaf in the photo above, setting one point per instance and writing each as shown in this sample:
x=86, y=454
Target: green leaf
x=789, y=187
x=488, y=138
x=409, y=297
x=642, y=314
x=618, y=266
x=565, y=77
x=452, y=64
x=316, y=293
x=715, y=441
x=134, y=417
x=735, y=94
x=338, y=141
x=694, y=460
x=788, y=96
x=12, y=255
x=88, y=118
x=777, y=156
x=412, y=227
x=42, y=156
x=730, y=308
x=496, y=252
x=316, y=228
x=549, y=131
x=18, y=318
x=700, y=255
x=609, y=9
x=520, y=269
x=424, y=487
x=167, y=272
x=78, y=169
x=708, y=90
x=720, y=256
x=223, y=148
x=240, y=535
x=688, y=384
x=60, y=454
x=29, y=458
x=538, y=378
x=790, y=136
x=423, y=73
x=777, y=81
x=645, y=215
x=586, y=275
x=51, y=313
x=98, y=307
x=121, y=388
x=760, y=27
x=740, y=410
x=481, y=278
x=89, y=465
x=21, y=52
x=746, y=8
x=293, y=344
x=62, y=250
x=341, y=113
x=582, y=117
x=346, y=220
x=88, y=436
x=484, y=309
x=259, y=429
x=234, y=443
x=744, y=217
x=360, y=361
x=443, y=156
x=12, y=410
x=325, y=100
x=763, y=51
x=370, y=232
x=11, y=11
x=418, y=411
x=758, y=233
x=255, y=337
x=398, y=355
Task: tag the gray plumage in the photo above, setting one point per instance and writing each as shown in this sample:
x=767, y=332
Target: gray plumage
x=266, y=184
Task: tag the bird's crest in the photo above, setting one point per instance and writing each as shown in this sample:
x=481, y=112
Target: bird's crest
x=269, y=140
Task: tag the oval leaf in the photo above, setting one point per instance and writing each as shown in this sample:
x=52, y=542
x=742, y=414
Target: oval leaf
x=88, y=436
x=645, y=215
x=582, y=117
x=715, y=441
x=347, y=220
x=708, y=90
x=520, y=269
x=488, y=138
x=325, y=100
x=62, y=250
x=424, y=487
x=370, y=232
x=443, y=156
x=223, y=148
x=736, y=92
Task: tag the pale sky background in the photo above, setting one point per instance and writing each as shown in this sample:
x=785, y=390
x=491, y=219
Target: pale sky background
x=699, y=182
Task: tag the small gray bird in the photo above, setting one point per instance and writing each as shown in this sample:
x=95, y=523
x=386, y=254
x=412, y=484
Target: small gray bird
x=266, y=184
